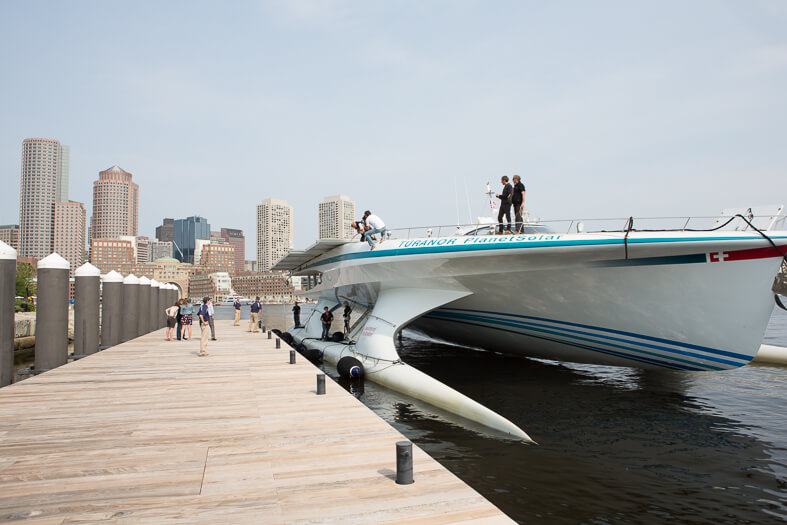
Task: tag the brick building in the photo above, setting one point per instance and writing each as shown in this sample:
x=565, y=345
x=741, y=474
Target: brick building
x=272, y=287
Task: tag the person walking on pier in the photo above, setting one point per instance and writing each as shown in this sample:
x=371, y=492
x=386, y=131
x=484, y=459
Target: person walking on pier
x=327, y=319
x=347, y=313
x=255, y=315
x=186, y=313
x=518, y=200
x=210, y=319
x=237, y=307
x=296, y=315
x=377, y=226
x=204, y=326
x=505, y=206
x=172, y=313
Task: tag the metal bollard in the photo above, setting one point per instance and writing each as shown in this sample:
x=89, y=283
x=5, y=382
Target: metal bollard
x=7, y=294
x=278, y=343
x=263, y=328
x=270, y=334
x=292, y=357
x=111, y=310
x=130, y=300
x=52, y=313
x=404, y=462
x=143, y=305
x=320, y=384
x=86, y=298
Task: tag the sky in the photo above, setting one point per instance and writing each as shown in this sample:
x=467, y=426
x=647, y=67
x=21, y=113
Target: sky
x=605, y=108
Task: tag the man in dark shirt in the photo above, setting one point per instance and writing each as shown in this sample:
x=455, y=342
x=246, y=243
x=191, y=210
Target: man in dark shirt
x=296, y=315
x=518, y=200
x=255, y=315
x=505, y=206
x=327, y=319
x=237, y=306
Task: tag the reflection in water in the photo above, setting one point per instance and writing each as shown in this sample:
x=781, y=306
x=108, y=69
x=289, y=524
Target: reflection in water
x=617, y=444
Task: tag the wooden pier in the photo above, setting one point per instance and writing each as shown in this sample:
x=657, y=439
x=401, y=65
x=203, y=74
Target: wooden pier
x=148, y=432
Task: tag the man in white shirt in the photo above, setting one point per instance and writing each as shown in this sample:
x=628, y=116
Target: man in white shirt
x=210, y=320
x=377, y=225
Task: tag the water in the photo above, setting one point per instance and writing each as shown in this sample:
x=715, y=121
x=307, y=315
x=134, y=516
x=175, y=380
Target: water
x=617, y=445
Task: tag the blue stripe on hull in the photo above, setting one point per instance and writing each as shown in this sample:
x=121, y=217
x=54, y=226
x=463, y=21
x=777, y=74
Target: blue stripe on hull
x=662, y=356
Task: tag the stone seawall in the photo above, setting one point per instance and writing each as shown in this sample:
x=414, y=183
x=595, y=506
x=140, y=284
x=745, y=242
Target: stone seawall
x=25, y=324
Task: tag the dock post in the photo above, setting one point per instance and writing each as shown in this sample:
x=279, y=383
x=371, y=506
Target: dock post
x=7, y=294
x=162, y=305
x=52, y=313
x=320, y=384
x=278, y=343
x=86, y=292
x=153, y=311
x=130, y=298
x=292, y=357
x=404, y=462
x=111, y=309
x=143, y=304
x=270, y=334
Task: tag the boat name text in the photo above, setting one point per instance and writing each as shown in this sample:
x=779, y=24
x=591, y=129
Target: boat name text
x=491, y=239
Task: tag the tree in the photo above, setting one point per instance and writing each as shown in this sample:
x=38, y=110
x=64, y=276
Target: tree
x=25, y=273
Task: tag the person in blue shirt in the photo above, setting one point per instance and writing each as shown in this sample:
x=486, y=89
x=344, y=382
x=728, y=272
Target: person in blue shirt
x=204, y=326
x=255, y=315
x=237, y=307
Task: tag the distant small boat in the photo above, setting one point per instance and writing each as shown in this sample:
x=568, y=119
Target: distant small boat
x=230, y=300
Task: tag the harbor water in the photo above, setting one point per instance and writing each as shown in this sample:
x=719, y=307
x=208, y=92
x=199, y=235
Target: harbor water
x=616, y=445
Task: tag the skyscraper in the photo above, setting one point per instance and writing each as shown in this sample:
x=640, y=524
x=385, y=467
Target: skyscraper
x=274, y=232
x=236, y=238
x=115, y=205
x=185, y=234
x=336, y=214
x=69, y=236
x=165, y=232
x=42, y=185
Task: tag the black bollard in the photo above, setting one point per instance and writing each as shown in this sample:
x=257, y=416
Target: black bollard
x=52, y=313
x=163, y=289
x=270, y=334
x=292, y=357
x=153, y=311
x=130, y=298
x=111, y=309
x=320, y=384
x=143, y=304
x=86, y=290
x=7, y=294
x=404, y=462
x=278, y=343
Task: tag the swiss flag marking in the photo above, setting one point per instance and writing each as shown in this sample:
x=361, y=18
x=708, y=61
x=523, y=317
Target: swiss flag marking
x=718, y=256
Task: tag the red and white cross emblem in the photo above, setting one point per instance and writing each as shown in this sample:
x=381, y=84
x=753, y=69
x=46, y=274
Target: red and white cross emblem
x=718, y=256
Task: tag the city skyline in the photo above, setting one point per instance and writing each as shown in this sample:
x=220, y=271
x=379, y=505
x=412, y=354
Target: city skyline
x=611, y=109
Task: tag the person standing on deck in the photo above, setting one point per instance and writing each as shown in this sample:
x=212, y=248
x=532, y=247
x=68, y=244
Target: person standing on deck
x=237, y=307
x=296, y=315
x=179, y=319
x=377, y=226
x=347, y=313
x=518, y=200
x=186, y=313
x=327, y=319
x=204, y=326
x=171, y=312
x=210, y=319
x=255, y=315
x=505, y=206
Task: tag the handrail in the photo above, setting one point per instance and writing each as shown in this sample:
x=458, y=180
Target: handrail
x=431, y=230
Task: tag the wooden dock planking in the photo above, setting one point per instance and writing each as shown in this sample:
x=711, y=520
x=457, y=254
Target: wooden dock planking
x=147, y=432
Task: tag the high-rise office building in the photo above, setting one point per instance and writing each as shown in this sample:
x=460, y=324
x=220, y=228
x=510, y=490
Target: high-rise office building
x=9, y=234
x=166, y=231
x=42, y=185
x=115, y=205
x=274, y=232
x=336, y=215
x=112, y=254
x=236, y=239
x=141, y=245
x=185, y=234
x=69, y=239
